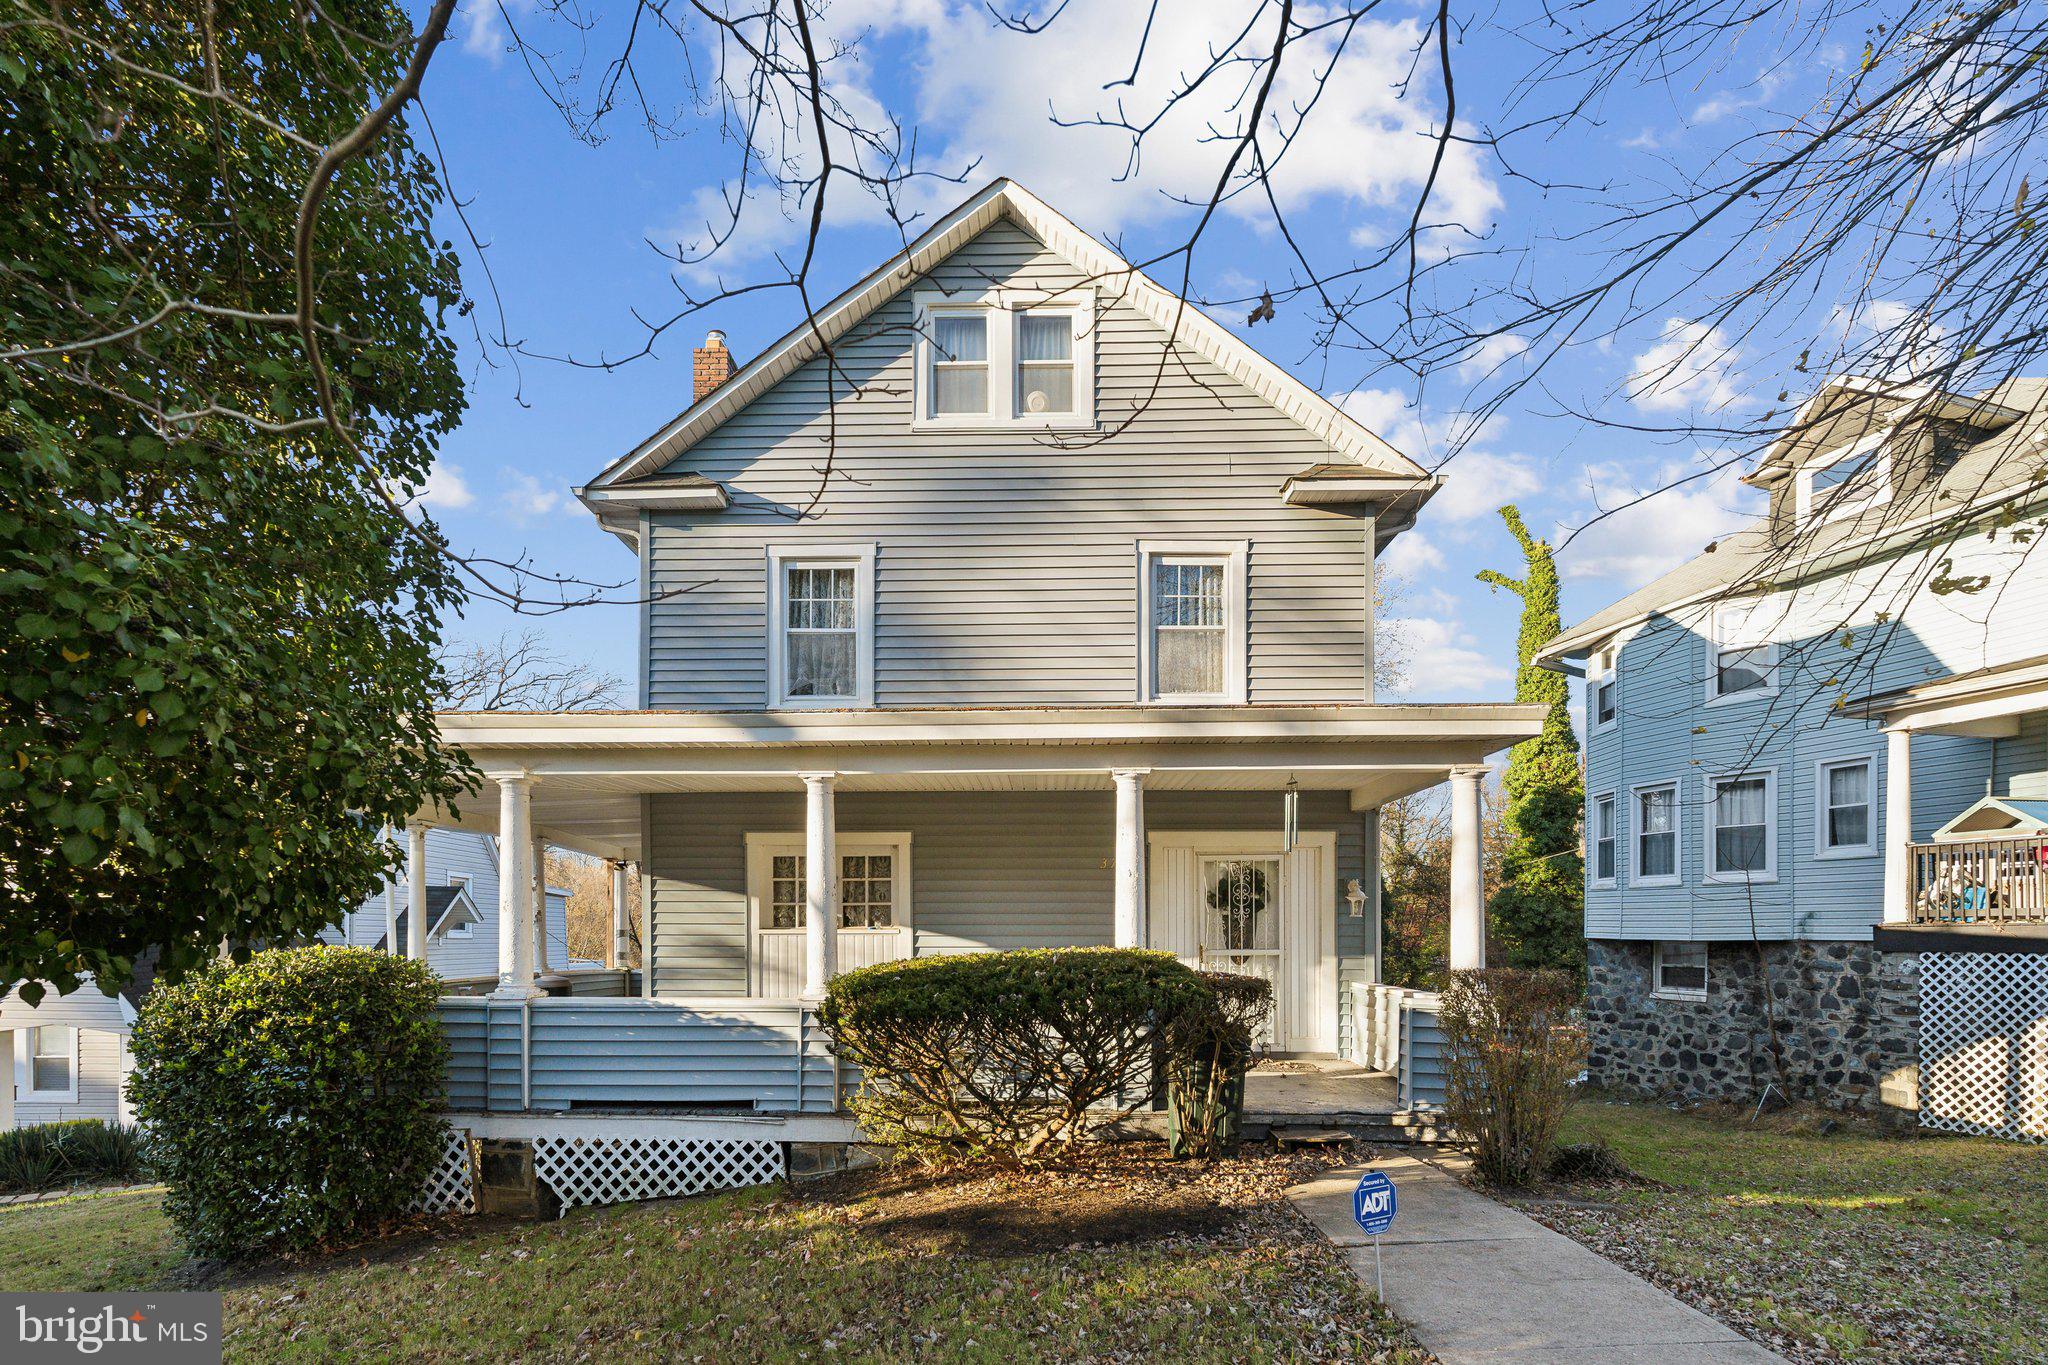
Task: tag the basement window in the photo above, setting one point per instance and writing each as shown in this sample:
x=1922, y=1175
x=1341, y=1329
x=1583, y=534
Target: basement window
x=1679, y=971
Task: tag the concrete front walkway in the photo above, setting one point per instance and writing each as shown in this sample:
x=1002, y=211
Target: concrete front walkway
x=1482, y=1282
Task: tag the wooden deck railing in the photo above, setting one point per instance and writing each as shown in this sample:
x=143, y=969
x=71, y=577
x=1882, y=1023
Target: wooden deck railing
x=1981, y=881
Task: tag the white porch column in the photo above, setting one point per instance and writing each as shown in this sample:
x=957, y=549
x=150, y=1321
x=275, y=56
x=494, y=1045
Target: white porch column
x=1130, y=857
x=416, y=892
x=821, y=885
x=622, y=939
x=1468, y=896
x=1898, y=826
x=390, y=904
x=540, y=904
x=515, y=888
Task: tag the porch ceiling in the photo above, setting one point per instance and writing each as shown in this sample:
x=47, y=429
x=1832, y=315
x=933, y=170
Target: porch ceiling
x=590, y=770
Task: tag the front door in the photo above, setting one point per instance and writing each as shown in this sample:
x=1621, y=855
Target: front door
x=1233, y=902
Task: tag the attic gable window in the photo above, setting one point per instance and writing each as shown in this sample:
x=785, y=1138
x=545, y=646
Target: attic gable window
x=1847, y=482
x=1008, y=360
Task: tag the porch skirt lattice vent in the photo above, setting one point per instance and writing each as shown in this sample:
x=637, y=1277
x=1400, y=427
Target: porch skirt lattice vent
x=448, y=1187
x=1984, y=1044
x=619, y=1170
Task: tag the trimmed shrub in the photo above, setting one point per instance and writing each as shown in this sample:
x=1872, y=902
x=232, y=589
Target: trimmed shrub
x=72, y=1152
x=1513, y=1045
x=1208, y=1052
x=292, y=1099
x=1002, y=1053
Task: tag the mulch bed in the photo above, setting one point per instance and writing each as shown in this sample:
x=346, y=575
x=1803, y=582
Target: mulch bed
x=1098, y=1194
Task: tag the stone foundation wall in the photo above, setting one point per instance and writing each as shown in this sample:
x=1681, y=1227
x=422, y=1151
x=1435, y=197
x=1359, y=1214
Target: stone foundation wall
x=1846, y=1016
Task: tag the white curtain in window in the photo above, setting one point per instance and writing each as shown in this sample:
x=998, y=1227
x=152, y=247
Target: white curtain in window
x=1849, y=805
x=1045, y=363
x=1656, y=838
x=1739, y=820
x=959, y=363
x=820, y=632
x=1188, y=628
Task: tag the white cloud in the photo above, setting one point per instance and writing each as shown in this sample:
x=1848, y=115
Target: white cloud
x=445, y=488
x=1489, y=355
x=525, y=498
x=1736, y=99
x=483, y=30
x=1443, y=657
x=1477, y=481
x=1888, y=339
x=1641, y=539
x=1411, y=553
x=1691, y=367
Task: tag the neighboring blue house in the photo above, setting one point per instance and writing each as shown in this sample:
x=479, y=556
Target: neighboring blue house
x=1815, y=763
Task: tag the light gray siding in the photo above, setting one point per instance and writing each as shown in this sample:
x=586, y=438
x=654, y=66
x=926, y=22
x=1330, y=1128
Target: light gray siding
x=1006, y=564
x=1853, y=635
x=454, y=853
x=989, y=870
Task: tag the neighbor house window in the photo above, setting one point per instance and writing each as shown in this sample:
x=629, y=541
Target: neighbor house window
x=1004, y=361
x=1844, y=484
x=821, y=628
x=1193, y=646
x=1656, y=836
x=1741, y=828
x=1601, y=689
x=1680, y=971
x=1045, y=363
x=50, y=1063
x=959, y=364
x=1844, y=797
x=1603, y=840
x=464, y=929
x=1743, y=659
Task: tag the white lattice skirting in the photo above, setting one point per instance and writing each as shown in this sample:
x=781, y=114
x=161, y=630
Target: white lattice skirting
x=448, y=1187
x=1984, y=1044
x=618, y=1170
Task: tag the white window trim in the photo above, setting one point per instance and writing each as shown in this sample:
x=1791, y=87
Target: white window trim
x=1593, y=879
x=1866, y=849
x=467, y=883
x=1235, y=556
x=1596, y=677
x=1636, y=876
x=763, y=847
x=1708, y=802
x=861, y=558
x=1660, y=991
x=25, y=1075
x=1003, y=308
x=1879, y=494
x=1716, y=644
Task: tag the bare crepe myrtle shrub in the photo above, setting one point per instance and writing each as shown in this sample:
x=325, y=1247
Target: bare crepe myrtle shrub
x=1513, y=1046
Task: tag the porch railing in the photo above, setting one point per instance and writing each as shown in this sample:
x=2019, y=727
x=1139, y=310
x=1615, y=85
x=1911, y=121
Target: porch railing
x=561, y=1053
x=1394, y=1028
x=1981, y=881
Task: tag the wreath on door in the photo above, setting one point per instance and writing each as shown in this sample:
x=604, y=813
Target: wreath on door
x=1239, y=897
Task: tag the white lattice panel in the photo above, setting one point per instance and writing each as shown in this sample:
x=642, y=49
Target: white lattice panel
x=618, y=1170
x=448, y=1187
x=1984, y=1044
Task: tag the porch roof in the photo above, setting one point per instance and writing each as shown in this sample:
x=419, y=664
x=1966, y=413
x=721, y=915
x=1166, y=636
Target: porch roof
x=590, y=768
x=1984, y=702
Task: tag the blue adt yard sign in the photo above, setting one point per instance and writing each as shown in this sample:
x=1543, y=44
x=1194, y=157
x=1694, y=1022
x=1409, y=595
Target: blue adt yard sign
x=1373, y=1204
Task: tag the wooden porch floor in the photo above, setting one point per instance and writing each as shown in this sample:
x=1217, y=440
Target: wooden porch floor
x=1318, y=1091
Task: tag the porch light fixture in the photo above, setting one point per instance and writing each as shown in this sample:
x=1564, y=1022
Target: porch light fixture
x=1290, y=816
x=1354, y=895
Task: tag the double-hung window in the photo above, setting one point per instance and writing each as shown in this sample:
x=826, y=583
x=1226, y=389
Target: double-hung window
x=1602, y=690
x=1193, y=622
x=1679, y=971
x=1743, y=660
x=821, y=625
x=1844, y=799
x=1741, y=828
x=1603, y=839
x=48, y=1064
x=1004, y=360
x=1656, y=836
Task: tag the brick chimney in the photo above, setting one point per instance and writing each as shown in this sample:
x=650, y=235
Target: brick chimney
x=714, y=364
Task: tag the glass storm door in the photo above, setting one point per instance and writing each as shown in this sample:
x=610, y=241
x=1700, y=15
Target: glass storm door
x=1240, y=921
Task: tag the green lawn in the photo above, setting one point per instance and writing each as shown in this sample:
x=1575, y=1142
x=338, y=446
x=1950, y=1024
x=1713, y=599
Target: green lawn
x=1854, y=1243
x=759, y=1275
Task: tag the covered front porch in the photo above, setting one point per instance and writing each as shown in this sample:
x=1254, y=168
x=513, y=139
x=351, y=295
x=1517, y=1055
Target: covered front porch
x=1240, y=839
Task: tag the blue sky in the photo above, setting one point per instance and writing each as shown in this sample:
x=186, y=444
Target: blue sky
x=568, y=225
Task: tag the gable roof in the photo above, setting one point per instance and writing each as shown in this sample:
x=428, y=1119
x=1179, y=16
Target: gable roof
x=447, y=907
x=1005, y=198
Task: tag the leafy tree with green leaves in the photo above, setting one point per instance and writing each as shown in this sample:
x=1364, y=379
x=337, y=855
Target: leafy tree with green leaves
x=223, y=367
x=1538, y=913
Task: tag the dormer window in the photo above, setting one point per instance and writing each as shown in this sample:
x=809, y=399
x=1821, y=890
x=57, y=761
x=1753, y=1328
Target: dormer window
x=1847, y=482
x=1003, y=362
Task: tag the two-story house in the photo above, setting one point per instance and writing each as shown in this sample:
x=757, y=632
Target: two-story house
x=1812, y=752
x=1008, y=601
